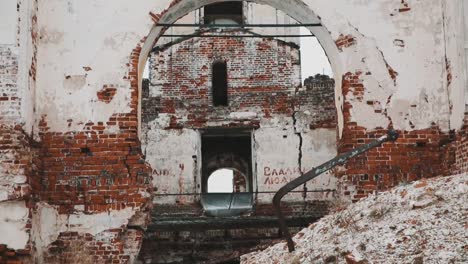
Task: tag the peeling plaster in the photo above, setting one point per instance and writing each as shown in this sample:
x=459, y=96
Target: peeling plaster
x=48, y=224
x=13, y=220
x=419, y=64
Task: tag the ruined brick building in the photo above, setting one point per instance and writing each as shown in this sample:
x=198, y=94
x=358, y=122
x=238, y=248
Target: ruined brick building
x=99, y=165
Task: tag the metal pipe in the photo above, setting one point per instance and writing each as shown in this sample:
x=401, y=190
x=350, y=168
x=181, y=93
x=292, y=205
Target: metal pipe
x=392, y=135
x=238, y=25
x=235, y=36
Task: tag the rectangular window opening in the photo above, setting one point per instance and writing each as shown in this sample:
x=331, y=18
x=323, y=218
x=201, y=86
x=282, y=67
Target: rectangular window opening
x=224, y=13
x=220, y=84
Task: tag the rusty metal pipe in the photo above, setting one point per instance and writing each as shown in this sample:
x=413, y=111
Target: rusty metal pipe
x=391, y=135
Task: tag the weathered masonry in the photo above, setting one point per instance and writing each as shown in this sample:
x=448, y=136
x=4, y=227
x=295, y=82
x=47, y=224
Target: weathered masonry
x=86, y=151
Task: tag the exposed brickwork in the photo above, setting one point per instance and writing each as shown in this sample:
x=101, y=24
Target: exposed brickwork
x=16, y=173
x=417, y=154
x=34, y=39
x=319, y=97
x=239, y=182
x=98, y=169
x=10, y=256
x=461, y=149
x=15, y=161
x=345, y=41
x=185, y=82
x=448, y=68
x=267, y=86
x=404, y=6
x=9, y=93
x=393, y=74
x=108, y=247
x=106, y=94
x=353, y=88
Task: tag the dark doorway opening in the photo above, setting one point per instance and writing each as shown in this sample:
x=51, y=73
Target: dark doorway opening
x=227, y=151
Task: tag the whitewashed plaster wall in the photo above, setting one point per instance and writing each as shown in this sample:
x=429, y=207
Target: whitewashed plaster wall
x=9, y=22
x=283, y=150
x=280, y=149
x=174, y=156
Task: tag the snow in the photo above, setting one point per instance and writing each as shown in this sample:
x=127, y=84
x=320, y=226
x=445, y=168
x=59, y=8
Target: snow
x=423, y=222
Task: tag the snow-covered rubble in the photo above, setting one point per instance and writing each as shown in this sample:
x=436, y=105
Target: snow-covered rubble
x=422, y=222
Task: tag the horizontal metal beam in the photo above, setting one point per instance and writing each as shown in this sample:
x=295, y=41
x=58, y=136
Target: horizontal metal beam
x=239, y=25
x=264, y=192
x=235, y=36
x=214, y=223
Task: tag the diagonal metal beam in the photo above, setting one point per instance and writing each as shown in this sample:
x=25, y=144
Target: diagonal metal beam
x=392, y=135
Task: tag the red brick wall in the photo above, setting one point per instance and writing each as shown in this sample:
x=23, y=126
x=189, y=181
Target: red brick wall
x=263, y=77
x=461, y=149
x=416, y=154
x=93, y=168
x=10, y=256
x=257, y=68
x=73, y=247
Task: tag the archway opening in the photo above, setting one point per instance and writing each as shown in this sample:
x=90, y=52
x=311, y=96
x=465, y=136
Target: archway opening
x=227, y=180
x=221, y=181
